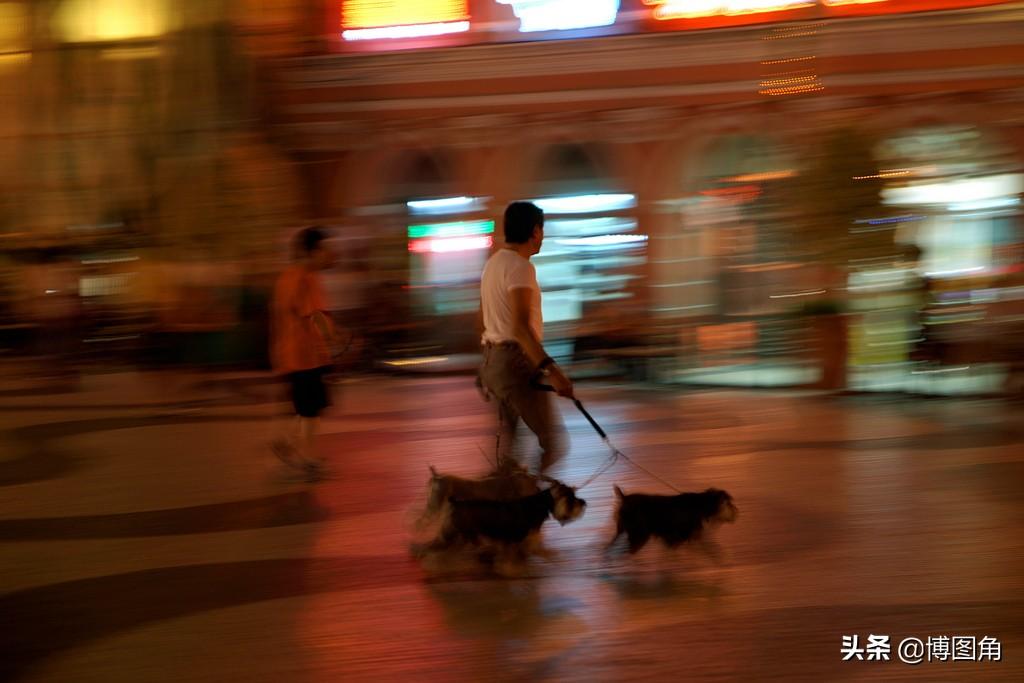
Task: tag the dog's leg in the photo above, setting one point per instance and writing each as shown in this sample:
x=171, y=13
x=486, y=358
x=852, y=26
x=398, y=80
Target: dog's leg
x=637, y=540
x=534, y=545
x=510, y=562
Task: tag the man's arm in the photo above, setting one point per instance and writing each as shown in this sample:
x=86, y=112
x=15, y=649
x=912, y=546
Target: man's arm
x=324, y=323
x=531, y=345
x=314, y=307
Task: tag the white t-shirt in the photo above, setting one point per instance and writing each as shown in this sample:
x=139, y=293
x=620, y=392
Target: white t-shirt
x=506, y=270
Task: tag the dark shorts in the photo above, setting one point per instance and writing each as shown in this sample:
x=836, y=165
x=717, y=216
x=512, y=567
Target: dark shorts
x=309, y=392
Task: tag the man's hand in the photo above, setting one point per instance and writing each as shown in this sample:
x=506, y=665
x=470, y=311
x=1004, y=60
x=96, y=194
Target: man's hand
x=561, y=383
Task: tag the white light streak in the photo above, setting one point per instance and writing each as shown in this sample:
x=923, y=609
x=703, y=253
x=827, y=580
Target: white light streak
x=410, y=31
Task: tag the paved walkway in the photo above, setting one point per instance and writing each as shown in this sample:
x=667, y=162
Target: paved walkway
x=144, y=537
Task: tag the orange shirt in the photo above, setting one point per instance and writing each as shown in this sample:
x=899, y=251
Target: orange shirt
x=295, y=341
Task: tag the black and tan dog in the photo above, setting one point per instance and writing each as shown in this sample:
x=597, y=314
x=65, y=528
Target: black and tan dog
x=508, y=481
x=674, y=519
x=511, y=528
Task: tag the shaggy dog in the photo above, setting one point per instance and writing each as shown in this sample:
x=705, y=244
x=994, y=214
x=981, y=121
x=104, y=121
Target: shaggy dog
x=511, y=527
x=507, y=482
x=674, y=519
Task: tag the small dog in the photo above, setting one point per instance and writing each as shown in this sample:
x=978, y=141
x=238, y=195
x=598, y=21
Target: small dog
x=511, y=525
x=508, y=482
x=674, y=519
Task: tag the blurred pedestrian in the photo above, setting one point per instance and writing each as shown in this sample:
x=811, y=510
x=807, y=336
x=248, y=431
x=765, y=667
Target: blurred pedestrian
x=301, y=336
x=514, y=357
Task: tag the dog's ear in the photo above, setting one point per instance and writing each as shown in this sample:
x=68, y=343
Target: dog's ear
x=618, y=491
x=433, y=472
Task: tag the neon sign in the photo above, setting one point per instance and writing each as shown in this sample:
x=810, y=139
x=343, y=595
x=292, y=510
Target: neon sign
x=449, y=245
x=562, y=15
x=456, y=229
x=376, y=19
x=666, y=10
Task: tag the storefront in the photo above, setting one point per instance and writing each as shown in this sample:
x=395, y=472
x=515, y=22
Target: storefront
x=447, y=254
x=952, y=199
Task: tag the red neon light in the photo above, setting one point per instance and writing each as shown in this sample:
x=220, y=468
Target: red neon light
x=857, y=8
x=712, y=13
x=448, y=245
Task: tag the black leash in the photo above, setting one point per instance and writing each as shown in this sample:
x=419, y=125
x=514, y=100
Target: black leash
x=615, y=452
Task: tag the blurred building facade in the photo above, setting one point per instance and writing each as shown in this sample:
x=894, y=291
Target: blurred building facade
x=680, y=147
x=693, y=156
x=138, y=169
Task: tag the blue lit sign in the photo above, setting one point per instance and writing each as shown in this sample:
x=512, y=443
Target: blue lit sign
x=562, y=15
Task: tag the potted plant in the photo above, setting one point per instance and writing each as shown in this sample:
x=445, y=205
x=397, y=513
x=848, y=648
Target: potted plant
x=833, y=198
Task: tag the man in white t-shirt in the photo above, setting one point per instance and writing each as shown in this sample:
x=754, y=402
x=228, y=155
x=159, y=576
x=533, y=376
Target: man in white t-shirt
x=514, y=358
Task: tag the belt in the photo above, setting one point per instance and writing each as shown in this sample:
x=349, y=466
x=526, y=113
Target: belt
x=501, y=345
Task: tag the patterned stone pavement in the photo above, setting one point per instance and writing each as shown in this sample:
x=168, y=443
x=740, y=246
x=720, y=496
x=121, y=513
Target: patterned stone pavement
x=146, y=537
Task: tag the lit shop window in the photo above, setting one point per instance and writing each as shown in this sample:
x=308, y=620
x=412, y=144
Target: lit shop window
x=105, y=20
x=383, y=19
x=586, y=203
x=963, y=217
x=562, y=15
x=587, y=258
x=446, y=260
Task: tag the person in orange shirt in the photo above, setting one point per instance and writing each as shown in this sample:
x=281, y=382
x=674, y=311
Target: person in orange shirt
x=301, y=335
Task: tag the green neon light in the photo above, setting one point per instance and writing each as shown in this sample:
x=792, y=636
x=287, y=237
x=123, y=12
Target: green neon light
x=457, y=229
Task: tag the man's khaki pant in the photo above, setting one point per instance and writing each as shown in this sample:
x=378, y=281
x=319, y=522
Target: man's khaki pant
x=506, y=375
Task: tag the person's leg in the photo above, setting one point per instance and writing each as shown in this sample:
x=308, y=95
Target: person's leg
x=535, y=407
x=294, y=445
x=316, y=399
x=287, y=438
x=309, y=427
x=508, y=423
x=538, y=410
x=497, y=376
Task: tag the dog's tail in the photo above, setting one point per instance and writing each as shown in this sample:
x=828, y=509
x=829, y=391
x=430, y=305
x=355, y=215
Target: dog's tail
x=618, y=492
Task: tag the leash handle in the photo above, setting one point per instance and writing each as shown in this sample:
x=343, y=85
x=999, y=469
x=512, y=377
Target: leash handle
x=590, y=419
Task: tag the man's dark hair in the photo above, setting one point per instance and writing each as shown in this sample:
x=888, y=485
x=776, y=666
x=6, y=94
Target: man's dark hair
x=520, y=220
x=308, y=240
